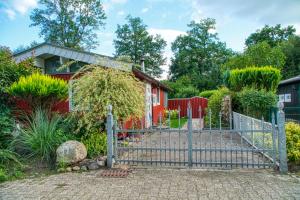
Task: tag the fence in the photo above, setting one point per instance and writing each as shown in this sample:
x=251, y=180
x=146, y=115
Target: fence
x=264, y=135
x=251, y=143
x=261, y=135
x=182, y=103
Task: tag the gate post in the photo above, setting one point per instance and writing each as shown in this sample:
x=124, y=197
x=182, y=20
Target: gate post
x=190, y=136
x=281, y=139
x=109, y=129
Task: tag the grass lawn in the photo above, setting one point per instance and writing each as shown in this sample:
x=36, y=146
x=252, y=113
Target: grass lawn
x=175, y=122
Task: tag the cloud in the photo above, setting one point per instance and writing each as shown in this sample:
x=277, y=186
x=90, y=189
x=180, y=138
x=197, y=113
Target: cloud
x=264, y=12
x=14, y=7
x=121, y=13
x=10, y=13
x=109, y=4
x=144, y=10
x=169, y=35
x=22, y=6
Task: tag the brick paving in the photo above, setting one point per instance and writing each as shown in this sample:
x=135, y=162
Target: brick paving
x=157, y=184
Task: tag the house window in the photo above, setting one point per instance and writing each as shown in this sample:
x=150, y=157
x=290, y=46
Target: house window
x=52, y=64
x=157, y=95
x=165, y=99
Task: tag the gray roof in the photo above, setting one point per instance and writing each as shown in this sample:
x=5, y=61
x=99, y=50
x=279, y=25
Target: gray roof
x=45, y=50
x=295, y=79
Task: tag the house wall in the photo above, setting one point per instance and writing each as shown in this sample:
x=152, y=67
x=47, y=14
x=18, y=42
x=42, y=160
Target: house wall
x=158, y=107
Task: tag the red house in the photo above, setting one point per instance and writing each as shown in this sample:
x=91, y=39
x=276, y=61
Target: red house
x=50, y=57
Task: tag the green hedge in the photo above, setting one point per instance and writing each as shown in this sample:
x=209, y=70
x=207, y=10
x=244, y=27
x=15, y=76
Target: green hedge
x=207, y=93
x=39, y=90
x=256, y=77
x=256, y=103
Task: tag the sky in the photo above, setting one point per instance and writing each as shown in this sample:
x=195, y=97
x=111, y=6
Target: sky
x=236, y=20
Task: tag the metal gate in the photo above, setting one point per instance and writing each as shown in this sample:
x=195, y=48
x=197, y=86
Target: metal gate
x=246, y=143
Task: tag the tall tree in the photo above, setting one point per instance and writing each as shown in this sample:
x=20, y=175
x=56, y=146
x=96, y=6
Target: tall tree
x=71, y=23
x=199, y=55
x=273, y=35
x=260, y=55
x=133, y=40
x=291, y=49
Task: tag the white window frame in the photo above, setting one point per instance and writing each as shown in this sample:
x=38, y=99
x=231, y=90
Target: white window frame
x=157, y=96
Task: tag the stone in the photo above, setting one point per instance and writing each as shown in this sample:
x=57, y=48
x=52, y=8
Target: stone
x=76, y=168
x=93, y=166
x=101, y=161
x=83, y=168
x=71, y=152
x=68, y=169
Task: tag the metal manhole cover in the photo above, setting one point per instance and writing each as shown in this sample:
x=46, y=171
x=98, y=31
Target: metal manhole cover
x=116, y=173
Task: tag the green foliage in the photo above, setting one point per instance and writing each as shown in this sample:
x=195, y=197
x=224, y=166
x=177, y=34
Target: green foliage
x=207, y=93
x=3, y=175
x=198, y=55
x=100, y=87
x=293, y=141
x=175, y=122
x=257, y=77
x=71, y=23
x=41, y=136
x=10, y=72
x=260, y=55
x=215, y=105
x=8, y=157
x=134, y=40
x=7, y=126
x=173, y=114
x=273, y=35
x=291, y=49
x=256, y=103
x=39, y=90
x=95, y=143
x=181, y=88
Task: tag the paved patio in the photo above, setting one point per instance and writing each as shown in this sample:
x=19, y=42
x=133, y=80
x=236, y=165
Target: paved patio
x=157, y=184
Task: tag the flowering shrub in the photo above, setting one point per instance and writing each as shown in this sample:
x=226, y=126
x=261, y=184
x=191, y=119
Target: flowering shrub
x=293, y=141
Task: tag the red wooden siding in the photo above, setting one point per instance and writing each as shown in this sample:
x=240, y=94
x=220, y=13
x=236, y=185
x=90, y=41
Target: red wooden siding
x=158, y=108
x=196, y=102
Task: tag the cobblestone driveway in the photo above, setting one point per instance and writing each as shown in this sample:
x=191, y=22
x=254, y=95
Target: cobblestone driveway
x=157, y=184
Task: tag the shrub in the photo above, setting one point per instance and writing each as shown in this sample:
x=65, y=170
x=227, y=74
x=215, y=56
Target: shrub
x=293, y=141
x=257, y=77
x=8, y=157
x=10, y=72
x=98, y=87
x=215, y=104
x=173, y=114
x=95, y=143
x=41, y=136
x=3, y=175
x=256, y=103
x=39, y=90
x=207, y=93
x=7, y=126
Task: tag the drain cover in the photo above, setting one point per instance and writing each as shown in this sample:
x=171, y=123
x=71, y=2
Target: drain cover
x=117, y=173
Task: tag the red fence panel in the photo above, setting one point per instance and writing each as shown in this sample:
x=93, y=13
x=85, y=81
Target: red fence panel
x=196, y=103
